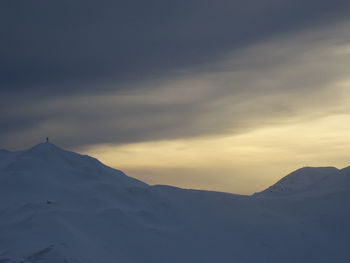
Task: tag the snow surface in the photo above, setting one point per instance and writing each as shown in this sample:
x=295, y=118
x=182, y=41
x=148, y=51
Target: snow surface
x=58, y=206
x=310, y=181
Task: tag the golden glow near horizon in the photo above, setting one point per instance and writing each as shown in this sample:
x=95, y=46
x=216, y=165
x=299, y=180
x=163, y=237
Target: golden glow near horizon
x=290, y=108
x=241, y=164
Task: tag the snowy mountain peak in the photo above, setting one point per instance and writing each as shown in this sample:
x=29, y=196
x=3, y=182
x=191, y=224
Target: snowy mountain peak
x=49, y=155
x=303, y=179
x=45, y=146
x=46, y=167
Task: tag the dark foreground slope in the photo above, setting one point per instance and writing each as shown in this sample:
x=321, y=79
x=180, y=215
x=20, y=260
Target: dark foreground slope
x=58, y=206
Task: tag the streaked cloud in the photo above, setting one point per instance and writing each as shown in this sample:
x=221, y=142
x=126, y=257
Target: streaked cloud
x=276, y=81
x=180, y=84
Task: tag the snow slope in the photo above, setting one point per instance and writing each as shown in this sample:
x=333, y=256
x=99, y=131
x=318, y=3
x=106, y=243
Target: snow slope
x=310, y=181
x=59, y=206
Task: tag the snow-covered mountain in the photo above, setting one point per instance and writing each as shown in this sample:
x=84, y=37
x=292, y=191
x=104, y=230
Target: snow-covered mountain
x=309, y=181
x=59, y=206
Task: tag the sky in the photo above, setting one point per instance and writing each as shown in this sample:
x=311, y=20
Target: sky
x=218, y=95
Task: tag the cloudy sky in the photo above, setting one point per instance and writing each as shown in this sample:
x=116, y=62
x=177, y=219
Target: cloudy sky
x=225, y=95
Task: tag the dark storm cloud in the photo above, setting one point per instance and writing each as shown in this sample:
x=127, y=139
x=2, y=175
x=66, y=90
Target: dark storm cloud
x=46, y=42
x=86, y=71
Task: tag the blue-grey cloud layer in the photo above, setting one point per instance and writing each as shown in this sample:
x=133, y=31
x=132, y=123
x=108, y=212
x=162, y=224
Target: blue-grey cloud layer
x=51, y=50
x=45, y=42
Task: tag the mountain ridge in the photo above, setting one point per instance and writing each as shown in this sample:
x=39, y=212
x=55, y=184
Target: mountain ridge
x=46, y=149
x=58, y=206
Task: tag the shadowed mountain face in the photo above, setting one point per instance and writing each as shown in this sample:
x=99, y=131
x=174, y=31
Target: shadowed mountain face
x=59, y=206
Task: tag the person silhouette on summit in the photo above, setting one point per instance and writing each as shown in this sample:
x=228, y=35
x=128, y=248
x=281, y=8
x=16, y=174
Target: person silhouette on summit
x=47, y=139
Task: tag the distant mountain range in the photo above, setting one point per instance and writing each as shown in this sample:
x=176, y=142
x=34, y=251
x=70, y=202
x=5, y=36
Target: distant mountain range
x=59, y=206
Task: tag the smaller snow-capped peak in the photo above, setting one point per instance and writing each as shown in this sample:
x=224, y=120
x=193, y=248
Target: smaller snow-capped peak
x=303, y=179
